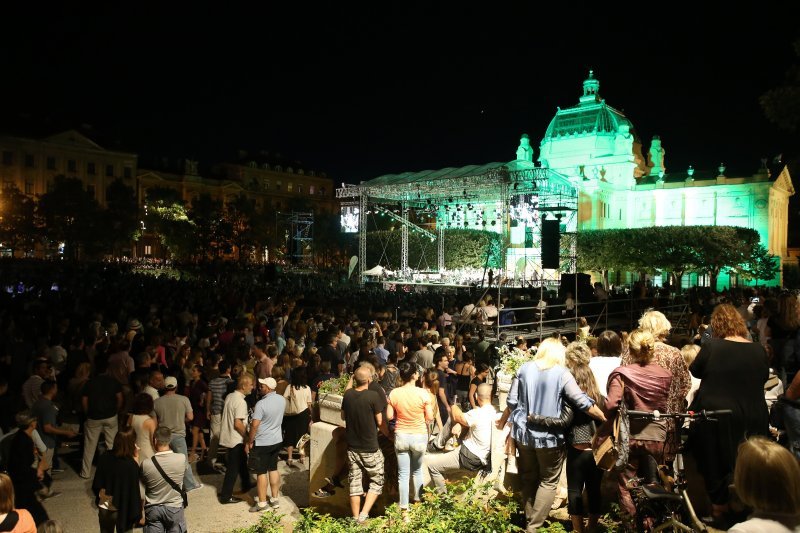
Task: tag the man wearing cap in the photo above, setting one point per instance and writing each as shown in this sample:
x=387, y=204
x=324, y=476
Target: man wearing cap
x=174, y=411
x=233, y=431
x=265, y=440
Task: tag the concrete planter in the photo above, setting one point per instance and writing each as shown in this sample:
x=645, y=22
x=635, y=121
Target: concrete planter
x=330, y=409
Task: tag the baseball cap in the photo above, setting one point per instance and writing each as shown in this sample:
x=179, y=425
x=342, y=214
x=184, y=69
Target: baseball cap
x=269, y=382
x=170, y=382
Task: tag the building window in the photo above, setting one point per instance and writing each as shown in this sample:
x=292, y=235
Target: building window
x=311, y=190
x=148, y=250
x=279, y=186
x=51, y=163
x=29, y=160
x=28, y=187
x=127, y=173
x=91, y=169
x=72, y=166
x=110, y=171
x=8, y=157
x=290, y=187
x=49, y=186
x=90, y=190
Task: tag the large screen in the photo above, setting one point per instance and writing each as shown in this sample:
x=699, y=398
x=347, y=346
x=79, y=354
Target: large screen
x=348, y=219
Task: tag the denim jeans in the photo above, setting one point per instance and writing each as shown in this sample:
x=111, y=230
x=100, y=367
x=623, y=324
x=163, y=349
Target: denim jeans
x=410, y=450
x=178, y=445
x=791, y=419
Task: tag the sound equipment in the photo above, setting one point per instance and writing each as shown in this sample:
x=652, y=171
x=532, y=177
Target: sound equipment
x=551, y=244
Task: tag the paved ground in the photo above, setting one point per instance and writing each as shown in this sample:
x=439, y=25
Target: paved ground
x=75, y=509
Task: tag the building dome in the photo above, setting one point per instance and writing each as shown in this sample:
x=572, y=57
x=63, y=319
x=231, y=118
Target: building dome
x=591, y=116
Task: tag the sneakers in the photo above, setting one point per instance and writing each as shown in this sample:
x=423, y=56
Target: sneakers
x=49, y=494
x=258, y=509
x=200, y=486
x=274, y=503
x=57, y=470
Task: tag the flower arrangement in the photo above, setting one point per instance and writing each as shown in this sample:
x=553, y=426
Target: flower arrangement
x=511, y=358
x=334, y=385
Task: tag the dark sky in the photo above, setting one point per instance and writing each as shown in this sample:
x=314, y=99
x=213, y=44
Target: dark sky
x=362, y=92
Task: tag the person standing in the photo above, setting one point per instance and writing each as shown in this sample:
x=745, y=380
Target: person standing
x=298, y=413
x=265, y=441
x=46, y=413
x=116, y=485
x=412, y=409
x=101, y=399
x=164, y=496
x=362, y=411
x=541, y=387
x=12, y=518
x=143, y=424
x=233, y=430
x=173, y=411
x=215, y=400
x=24, y=474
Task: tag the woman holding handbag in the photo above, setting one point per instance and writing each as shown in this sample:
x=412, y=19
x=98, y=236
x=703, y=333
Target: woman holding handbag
x=642, y=385
x=297, y=415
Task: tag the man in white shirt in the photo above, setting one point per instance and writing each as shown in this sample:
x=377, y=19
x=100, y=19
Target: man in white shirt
x=233, y=430
x=473, y=454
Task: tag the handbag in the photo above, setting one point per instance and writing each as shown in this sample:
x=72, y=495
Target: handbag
x=612, y=453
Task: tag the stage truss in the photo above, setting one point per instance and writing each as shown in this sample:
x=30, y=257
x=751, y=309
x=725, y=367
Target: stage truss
x=504, y=198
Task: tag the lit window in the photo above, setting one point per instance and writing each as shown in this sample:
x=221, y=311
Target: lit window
x=311, y=190
x=148, y=250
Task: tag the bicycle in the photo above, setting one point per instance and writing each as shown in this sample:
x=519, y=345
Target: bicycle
x=662, y=502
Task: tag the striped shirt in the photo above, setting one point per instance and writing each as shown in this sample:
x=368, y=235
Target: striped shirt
x=219, y=388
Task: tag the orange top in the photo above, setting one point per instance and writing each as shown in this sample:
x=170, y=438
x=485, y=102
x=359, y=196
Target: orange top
x=413, y=409
x=25, y=523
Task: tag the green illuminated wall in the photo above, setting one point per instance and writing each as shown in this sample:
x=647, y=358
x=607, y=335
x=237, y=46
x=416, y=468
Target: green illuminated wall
x=598, y=149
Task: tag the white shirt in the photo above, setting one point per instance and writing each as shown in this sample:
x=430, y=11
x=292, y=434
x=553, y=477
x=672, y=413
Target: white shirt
x=759, y=525
x=479, y=440
x=235, y=408
x=601, y=368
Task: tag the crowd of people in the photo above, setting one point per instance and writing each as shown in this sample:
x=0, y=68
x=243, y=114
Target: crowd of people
x=151, y=376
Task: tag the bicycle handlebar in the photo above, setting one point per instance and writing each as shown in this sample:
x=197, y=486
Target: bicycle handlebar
x=691, y=415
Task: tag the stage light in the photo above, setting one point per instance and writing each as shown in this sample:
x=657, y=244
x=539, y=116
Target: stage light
x=469, y=206
x=494, y=222
x=450, y=200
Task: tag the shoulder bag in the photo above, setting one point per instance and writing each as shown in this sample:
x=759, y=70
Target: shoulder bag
x=612, y=453
x=171, y=483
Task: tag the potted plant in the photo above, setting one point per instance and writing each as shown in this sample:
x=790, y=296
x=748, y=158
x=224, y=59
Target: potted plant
x=329, y=398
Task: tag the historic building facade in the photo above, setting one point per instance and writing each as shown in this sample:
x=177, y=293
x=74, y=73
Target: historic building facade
x=597, y=148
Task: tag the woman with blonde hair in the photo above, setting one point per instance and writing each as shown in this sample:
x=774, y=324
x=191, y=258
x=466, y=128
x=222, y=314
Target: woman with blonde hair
x=732, y=370
x=12, y=519
x=643, y=385
x=667, y=357
x=767, y=479
x=540, y=388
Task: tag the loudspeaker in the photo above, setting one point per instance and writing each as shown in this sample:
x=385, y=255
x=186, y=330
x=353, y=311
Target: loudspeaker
x=551, y=243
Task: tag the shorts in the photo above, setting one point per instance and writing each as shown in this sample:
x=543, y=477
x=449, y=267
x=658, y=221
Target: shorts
x=267, y=457
x=369, y=463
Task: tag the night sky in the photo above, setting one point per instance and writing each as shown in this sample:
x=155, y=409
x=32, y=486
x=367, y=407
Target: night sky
x=363, y=92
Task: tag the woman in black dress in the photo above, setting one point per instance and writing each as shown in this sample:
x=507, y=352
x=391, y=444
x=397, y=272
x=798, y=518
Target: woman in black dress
x=116, y=485
x=733, y=371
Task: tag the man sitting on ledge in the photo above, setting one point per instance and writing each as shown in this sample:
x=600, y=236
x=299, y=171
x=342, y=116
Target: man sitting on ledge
x=473, y=454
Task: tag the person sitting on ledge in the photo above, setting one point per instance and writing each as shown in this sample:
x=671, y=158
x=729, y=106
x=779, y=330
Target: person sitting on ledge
x=474, y=452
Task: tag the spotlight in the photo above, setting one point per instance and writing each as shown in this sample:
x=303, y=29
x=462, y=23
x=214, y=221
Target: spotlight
x=450, y=200
x=494, y=222
x=483, y=223
x=469, y=206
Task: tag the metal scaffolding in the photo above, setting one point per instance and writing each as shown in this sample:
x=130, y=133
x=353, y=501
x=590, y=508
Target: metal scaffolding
x=496, y=187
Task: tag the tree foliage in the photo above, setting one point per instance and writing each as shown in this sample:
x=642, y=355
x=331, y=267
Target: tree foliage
x=70, y=215
x=781, y=104
x=18, y=229
x=165, y=215
x=675, y=249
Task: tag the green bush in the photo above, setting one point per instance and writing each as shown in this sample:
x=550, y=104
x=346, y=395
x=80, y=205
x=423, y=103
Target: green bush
x=270, y=522
x=465, y=507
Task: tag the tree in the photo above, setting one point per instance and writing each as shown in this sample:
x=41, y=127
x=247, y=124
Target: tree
x=761, y=265
x=210, y=229
x=122, y=224
x=723, y=246
x=165, y=215
x=70, y=215
x=781, y=104
x=18, y=229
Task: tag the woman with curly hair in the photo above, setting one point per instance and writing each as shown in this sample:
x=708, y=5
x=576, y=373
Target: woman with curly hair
x=732, y=370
